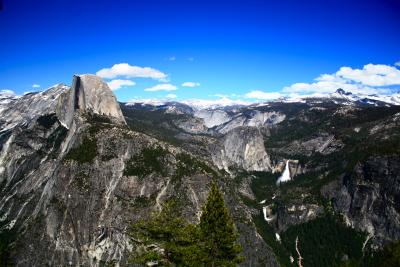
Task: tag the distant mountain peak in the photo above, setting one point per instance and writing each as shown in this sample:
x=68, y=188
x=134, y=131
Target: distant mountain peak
x=342, y=92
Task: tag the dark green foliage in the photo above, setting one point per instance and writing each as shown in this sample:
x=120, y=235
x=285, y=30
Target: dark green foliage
x=219, y=232
x=97, y=118
x=176, y=239
x=263, y=184
x=138, y=202
x=268, y=234
x=143, y=201
x=98, y=122
x=6, y=238
x=167, y=239
x=388, y=257
x=324, y=241
x=155, y=159
x=391, y=255
x=150, y=160
x=187, y=165
x=47, y=120
x=84, y=153
x=110, y=150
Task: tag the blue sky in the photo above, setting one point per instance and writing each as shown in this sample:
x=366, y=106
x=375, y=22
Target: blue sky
x=237, y=49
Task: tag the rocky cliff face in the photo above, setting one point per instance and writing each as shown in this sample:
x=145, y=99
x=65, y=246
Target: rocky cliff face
x=89, y=93
x=369, y=197
x=242, y=148
x=22, y=110
x=72, y=180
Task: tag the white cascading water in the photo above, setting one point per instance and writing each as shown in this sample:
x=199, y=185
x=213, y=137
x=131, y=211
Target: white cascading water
x=285, y=177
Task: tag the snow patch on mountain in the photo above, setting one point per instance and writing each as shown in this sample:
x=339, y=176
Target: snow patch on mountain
x=23, y=109
x=212, y=117
x=215, y=103
x=6, y=97
x=393, y=99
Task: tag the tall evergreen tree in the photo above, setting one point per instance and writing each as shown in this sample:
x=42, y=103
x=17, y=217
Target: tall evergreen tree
x=218, y=232
x=166, y=239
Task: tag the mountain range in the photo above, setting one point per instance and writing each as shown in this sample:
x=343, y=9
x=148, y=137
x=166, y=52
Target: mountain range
x=312, y=180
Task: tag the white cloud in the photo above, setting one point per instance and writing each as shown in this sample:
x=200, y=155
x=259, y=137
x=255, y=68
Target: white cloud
x=161, y=87
x=35, y=85
x=128, y=71
x=233, y=95
x=171, y=96
x=371, y=75
x=257, y=94
x=221, y=95
x=328, y=85
x=118, y=83
x=190, y=84
x=173, y=58
x=368, y=80
x=397, y=64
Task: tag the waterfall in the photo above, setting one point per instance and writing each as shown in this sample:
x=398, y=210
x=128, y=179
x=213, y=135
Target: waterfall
x=285, y=177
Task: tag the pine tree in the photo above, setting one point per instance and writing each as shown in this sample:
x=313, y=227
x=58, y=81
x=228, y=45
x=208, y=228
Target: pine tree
x=166, y=239
x=218, y=232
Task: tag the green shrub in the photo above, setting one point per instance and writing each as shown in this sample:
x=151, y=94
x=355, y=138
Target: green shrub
x=187, y=165
x=97, y=118
x=324, y=241
x=388, y=257
x=84, y=153
x=150, y=160
x=267, y=232
x=6, y=238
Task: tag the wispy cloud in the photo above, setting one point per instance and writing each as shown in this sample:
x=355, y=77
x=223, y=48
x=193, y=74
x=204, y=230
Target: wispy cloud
x=128, y=71
x=118, y=83
x=172, y=58
x=190, y=84
x=258, y=94
x=171, y=96
x=190, y=58
x=397, y=63
x=35, y=85
x=161, y=87
x=233, y=95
